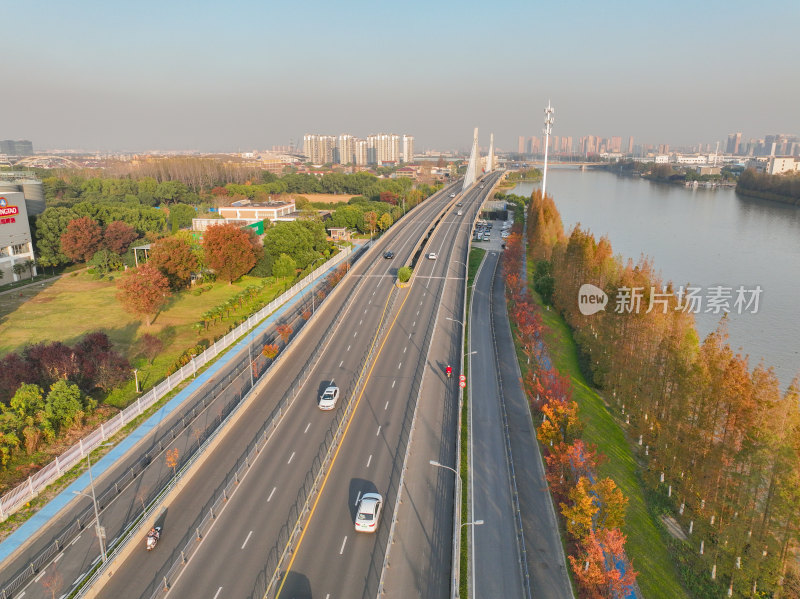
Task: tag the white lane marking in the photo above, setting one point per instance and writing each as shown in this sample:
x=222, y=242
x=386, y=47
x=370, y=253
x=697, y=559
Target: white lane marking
x=393, y=382
x=307, y=425
x=417, y=312
x=341, y=551
x=348, y=348
x=409, y=335
x=405, y=348
x=77, y=580
x=369, y=460
x=365, y=310
x=373, y=293
x=40, y=576
x=271, y=493
x=328, y=596
x=249, y=534
x=379, y=430
x=420, y=302
x=386, y=406
x=399, y=365
x=413, y=324
x=97, y=559
x=22, y=594
x=358, y=497
x=291, y=457
x=340, y=363
x=355, y=333
x=60, y=555
x=219, y=590
x=361, y=321
x=78, y=538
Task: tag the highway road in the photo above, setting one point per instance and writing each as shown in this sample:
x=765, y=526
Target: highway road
x=332, y=560
x=420, y=557
x=255, y=523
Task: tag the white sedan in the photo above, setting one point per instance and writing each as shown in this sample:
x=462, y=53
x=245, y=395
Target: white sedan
x=329, y=397
x=432, y=256
x=368, y=512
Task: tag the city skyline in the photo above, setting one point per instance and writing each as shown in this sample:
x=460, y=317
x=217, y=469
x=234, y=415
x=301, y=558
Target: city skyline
x=184, y=76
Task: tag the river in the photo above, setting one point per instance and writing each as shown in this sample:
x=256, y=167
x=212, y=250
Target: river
x=703, y=238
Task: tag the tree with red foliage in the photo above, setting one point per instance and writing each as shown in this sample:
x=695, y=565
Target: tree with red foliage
x=54, y=361
x=284, y=332
x=150, y=346
x=118, y=236
x=174, y=257
x=270, y=351
x=597, y=565
x=230, y=250
x=219, y=191
x=15, y=370
x=82, y=239
x=143, y=292
x=389, y=197
x=101, y=365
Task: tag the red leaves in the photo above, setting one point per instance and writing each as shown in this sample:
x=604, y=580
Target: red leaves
x=82, y=239
x=143, y=292
x=230, y=250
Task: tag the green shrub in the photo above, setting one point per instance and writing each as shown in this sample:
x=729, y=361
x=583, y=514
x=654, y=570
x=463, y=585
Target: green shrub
x=403, y=274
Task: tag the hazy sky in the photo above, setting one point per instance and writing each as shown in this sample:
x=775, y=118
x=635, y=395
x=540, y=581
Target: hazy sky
x=176, y=74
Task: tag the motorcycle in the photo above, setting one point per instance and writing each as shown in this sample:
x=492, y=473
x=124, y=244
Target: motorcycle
x=449, y=372
x=152, y=538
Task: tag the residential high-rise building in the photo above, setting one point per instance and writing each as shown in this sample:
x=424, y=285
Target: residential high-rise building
x=386, y=146
x=521, y=144
x=345, y=149
x=615, y=145
x=319, y=149
x=408, y=148
x=361, y=146
x=734, y=141
x=630, y=145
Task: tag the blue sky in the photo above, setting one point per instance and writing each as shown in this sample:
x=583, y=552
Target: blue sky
x=245, y=74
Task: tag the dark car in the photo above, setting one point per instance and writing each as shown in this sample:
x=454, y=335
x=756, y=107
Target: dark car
x=388, y=255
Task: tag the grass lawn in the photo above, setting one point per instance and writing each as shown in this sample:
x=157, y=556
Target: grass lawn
x=68, y=308
x=647, y=541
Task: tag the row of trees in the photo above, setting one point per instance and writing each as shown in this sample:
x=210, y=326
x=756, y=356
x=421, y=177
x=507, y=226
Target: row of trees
x=593, y=509
x=785, y=187
x=721, y=441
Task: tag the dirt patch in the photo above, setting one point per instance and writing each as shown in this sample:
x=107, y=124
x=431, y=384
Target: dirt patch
x=674, y=528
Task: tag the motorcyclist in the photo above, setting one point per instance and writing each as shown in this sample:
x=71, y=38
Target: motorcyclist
x=449, y=371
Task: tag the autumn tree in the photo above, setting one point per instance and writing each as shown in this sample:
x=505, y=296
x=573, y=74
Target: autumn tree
x=82, y=239
x=150, y=346
x=284, y=332
x=371, y=221
x=580, y=510
x=270, y=351
x=230, y=250
x=176, y=260
x=143, y=292
x=118, y=235
x=171, y=459
x=385, y=221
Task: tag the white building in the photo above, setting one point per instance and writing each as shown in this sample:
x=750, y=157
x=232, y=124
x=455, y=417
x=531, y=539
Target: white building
x=681, y=159
x=662, y=159
x=16, y=244
x=777, y=165
x=408, y=148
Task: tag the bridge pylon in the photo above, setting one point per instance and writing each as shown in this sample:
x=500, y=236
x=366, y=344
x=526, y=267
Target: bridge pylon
x=472, y=166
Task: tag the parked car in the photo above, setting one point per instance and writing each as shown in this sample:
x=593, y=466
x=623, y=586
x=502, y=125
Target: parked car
x=368, y=512
x=329, y=397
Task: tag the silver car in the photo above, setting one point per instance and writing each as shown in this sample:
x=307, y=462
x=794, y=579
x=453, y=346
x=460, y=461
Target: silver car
x=368, y=512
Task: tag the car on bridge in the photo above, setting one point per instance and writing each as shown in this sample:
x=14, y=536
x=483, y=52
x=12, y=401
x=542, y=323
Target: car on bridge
x=329, y=397
x=388, y=255
x=368, y=512
x=452, y=195
x=432, y=256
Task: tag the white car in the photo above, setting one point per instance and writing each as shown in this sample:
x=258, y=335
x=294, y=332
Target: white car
x=432, y=256
x=452, y=195
x=329, y=397
x=368, y=512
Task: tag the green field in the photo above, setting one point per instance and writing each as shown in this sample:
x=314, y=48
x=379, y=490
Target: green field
x=65, y=309
x=647, y=542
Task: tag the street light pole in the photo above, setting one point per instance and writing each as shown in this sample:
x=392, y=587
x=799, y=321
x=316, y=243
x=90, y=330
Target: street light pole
x=136, y=377
x=93, y=497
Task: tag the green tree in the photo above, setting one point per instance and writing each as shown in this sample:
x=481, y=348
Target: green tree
x=106, y=261
x=230, y=250
x=28, y=400
x=50, y=226
x=294, y=239
x=403, y=274
x=181, y=215
x=284, y=267
x=64, y=404
x=371, y=221
x=385, y=221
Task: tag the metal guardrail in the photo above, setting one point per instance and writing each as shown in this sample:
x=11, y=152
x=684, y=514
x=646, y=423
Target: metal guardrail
x=14, y=499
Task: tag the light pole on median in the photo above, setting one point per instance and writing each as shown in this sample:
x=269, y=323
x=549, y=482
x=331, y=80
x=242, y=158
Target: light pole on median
x=93, y=497
x=476, y=523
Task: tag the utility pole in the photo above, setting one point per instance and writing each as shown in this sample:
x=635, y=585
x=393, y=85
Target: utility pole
x=548, y=129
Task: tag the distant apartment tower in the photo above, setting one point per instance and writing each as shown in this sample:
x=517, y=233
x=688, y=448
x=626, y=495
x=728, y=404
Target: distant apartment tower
x=734, y=141
x=386, y=147
x=408, y=148
x=319, y=149
x=521, y=144
x=615, y=145
x=345, y=149
x=361, y=152
x=630, y=145
x=19, y=147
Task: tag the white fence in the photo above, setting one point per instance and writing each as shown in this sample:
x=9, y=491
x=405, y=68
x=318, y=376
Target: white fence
x=14, y=499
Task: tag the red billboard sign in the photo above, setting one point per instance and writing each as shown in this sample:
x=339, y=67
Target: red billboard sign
x=7, y=213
